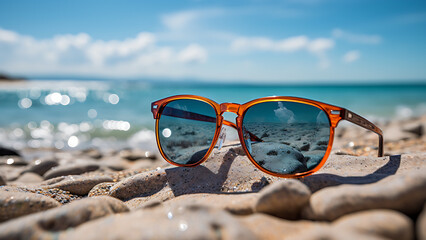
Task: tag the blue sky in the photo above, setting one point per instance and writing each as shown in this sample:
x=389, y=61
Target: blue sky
x=241, y=41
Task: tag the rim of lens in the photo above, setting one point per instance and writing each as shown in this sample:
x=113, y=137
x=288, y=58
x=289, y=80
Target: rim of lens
x=211, y=146
x=288, y=175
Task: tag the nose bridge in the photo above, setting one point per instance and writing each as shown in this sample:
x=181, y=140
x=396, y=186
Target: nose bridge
x=229, y=107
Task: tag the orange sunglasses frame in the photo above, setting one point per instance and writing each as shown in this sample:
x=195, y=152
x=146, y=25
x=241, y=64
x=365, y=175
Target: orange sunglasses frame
x=335, y=115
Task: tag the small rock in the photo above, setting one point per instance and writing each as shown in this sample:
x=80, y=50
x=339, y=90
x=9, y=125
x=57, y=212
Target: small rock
x=12, y=161
x=71, y=169
x=305, y=147
x=280, y=158
x=45, y=225
x=92, y=153
x=403, y=193
x=41, y=166
x=191, y=222
x=269, y=227
x=134, y=154
x=414, y=128
x=101, y=189
x=2, y=180
x=29, y=177
x=115, y=163
x=10, y=172
x=15, y=204
x=8, y=152
x=283, y=199
x=421, y=225
x=240, y=204
x=383, y=224
x=140, y=185
x=76, y=184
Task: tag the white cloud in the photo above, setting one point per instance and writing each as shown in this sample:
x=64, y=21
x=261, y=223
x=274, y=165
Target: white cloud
x=351, y=56
x=255, y=43
x=80, y=54
x=8, y=36
x=194, y=53
x=317, y=47
x=356, y=38
x=292, y=44
x=180, y=20
x=320, y=45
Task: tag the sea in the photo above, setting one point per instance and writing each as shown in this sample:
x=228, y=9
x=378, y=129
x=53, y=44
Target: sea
x=76, y=114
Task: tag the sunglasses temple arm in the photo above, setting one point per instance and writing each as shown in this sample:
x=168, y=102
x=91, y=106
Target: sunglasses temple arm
x=174, y=112
x=362, y=122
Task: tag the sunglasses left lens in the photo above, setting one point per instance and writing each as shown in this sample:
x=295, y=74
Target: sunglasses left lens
x=186, y=129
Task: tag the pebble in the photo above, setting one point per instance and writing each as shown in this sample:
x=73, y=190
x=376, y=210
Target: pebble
x=421, y=225
x=29, y=177
x=76, y=184
x=57, y=194
x=269, y=227
x=239, y=204
x=284, y=199
x=383, y=224
x=41, y=166
x=134, y=154
x=11, y=173
x=2, y=180
x=405, y=193
x=101, y=189
x=140, y=185
x=70, y=169
x=12, y=161
x=8, y=152
x=46, y=225
x=189, y=222
x=92, y=153
x=14, y=204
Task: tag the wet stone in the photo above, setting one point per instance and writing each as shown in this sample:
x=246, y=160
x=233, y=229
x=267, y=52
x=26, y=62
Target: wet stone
x=76, y=184
x=71, y=169
x=41, y=166
x=284, y=199
x=385, y=224
x=92, y=153
x=101, y=189
x=29, y=177
x=2, y=180
x=46, y=225
x=421, y=225
x=12, y=161
x=14, y=204
x=8, y=152
x=403, y=193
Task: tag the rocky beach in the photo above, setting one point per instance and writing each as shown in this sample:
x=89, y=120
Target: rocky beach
x=135, y=194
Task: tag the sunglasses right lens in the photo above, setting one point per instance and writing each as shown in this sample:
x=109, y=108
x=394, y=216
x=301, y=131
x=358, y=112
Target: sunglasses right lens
x=186, y=129
x=294, y=136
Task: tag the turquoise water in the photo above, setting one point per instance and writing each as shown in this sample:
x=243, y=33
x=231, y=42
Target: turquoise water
x=65, y=114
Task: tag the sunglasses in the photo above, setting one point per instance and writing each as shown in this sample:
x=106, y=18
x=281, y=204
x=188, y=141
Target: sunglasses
x=282, y=136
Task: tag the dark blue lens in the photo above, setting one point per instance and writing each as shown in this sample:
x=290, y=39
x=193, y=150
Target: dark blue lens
x=294, y=136
x=186, y=129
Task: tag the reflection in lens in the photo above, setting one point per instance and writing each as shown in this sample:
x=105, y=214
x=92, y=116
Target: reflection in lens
x=295, y=136
x=186, y=130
